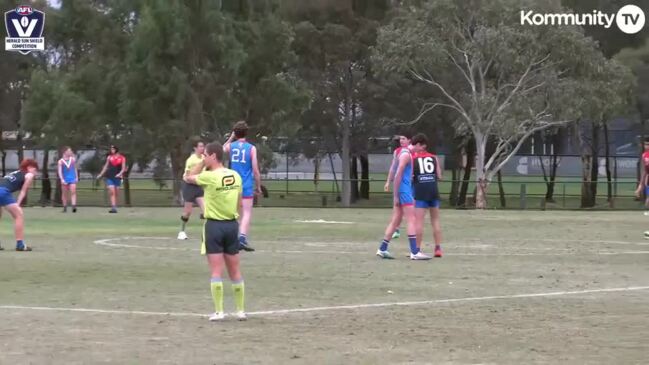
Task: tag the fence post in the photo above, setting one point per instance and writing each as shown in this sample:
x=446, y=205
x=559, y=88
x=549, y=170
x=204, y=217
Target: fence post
x=523, y=197
x=564, y=195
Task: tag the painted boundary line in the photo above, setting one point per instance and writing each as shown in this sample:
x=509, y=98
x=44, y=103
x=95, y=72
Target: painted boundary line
x=108, y=242
x=340, y=307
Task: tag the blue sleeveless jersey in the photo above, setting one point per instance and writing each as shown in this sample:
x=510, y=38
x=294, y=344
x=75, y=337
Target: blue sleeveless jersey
x=68, y=169
x=406, y=180
x=241, y=162
x=13, y=181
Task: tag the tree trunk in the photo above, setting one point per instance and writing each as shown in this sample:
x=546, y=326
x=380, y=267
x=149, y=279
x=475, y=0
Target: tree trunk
x=316, y=171
x=177, y=161
x=354, y=179
x=127, y=183
x=481, y=178
x=470, y=158
x=46, y=184
x=4, y=161
x=455, y=175
x=607, y=152
x=594, y=170
x=501, y=190
x=346, y=135
x=365, y=177
x=586, y=162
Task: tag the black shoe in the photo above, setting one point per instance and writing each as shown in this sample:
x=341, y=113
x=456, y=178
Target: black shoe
x=246, y=247
x=74, y=209
x=2, y=248
x=112, y=210
x=65, y=210
x=202, y=216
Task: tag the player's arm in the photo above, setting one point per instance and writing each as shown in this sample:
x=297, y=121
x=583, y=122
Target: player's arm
x=192, y=176
x=103, y=170
x=76, y=170
x=404, y=160
x=255, y=169
x=121, y=173
x=226, y=145
x=29, y=178
x=60, y=170
x=386, y=188
x=438, y=171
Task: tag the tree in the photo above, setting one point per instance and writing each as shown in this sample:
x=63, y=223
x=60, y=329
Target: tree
x=505, y=81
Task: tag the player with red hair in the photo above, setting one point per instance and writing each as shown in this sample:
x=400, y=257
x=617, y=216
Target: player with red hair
x=19, y=180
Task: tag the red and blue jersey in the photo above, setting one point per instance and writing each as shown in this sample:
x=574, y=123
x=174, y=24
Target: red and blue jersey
x=425, y=176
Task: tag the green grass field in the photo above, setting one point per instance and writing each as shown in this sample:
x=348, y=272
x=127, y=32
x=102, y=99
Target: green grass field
x=514, y=287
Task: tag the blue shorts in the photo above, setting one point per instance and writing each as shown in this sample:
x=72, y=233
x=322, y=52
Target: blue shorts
x=425, y=204
x=6, y=198
x=113, y=181
x=406, y=199
x=69, y=180
x=646, y=191
x=248, y=191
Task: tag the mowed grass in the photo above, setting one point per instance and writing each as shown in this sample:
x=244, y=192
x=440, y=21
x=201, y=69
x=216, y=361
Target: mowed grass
x=306, y=265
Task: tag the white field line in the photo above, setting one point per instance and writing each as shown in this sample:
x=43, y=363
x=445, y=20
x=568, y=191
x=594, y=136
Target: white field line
x=320, y=221
x=340, y=307
x=109, y=243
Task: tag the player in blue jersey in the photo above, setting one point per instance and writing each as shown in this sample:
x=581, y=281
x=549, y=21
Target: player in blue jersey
x=69, y=175
x=243, y=160
x=427, y=172
x=19, y=180
x=397, y=216
x=403, y=199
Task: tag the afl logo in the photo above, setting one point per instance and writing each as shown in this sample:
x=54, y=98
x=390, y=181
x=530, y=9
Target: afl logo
x=24, y=27
x=228, y=180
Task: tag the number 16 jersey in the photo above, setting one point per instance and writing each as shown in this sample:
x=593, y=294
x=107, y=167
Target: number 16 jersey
x=425, y=176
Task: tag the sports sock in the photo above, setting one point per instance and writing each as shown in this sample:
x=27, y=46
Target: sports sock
x=216, y=286
x=20, y=244
x=184, y=222
x=238, y=290
x=384, y=245
x=412, y=239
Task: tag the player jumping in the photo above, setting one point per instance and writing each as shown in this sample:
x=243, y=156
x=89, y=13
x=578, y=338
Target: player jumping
x=192, y=193
x=243, y=160
x=19, y=180
x=114, y=170
x=220, y=233
x=403, y=200
x=69, y=175
x=427, y=173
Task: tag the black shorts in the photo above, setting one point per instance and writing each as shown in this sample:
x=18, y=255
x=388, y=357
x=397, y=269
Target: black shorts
x=191, y=192
x=220, y=237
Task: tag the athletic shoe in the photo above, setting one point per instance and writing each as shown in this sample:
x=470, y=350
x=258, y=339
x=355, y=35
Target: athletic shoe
x=217, y=316
x=74, y=209
x=420, y=256
x=384, y=255
x=65, y=210
x=396, y=234
x=646, y=212
x=24, y=248
x=202, y=217
x=241, y=316
x=246, y=247
x=438, y=252
x=646, y=235
x=182, y=235
x=2, y=248
x=112, y=210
